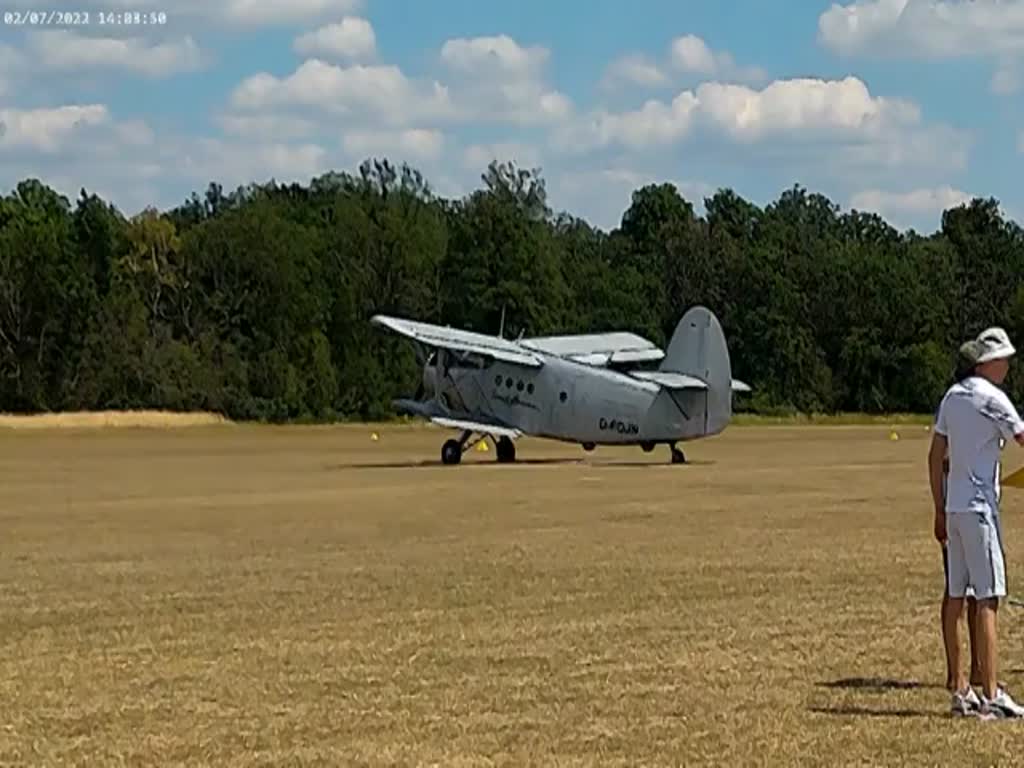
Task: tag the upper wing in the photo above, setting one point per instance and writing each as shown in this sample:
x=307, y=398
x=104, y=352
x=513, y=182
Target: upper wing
x=598, y=348
x=464, y=341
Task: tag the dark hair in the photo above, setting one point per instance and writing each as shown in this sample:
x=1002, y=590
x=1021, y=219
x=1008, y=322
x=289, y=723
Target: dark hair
x=966, y=360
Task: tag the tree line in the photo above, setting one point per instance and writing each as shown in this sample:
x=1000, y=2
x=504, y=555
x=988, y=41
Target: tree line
x=255, y=304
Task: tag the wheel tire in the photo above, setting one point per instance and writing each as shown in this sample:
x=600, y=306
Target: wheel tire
x=451, y=452
x=678, y=457
x=648, y=447
x=506, y=451
x=588, y=447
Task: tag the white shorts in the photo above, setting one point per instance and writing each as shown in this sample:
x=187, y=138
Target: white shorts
x=975, y=555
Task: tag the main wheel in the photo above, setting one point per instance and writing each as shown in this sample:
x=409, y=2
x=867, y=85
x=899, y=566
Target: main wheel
x=678, y=457
x=506, y=450
x=648, y=447
x=451, y=452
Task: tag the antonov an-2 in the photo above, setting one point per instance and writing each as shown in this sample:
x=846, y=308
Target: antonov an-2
x=590, y=389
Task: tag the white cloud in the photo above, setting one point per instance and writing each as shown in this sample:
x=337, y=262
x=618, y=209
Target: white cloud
x=924, y=28
x=481, y=55
x=690, y=53
x=412, y=144
x=351, y=38
x=365, y=93
x=47, y=130
x=1006, y=79
x=830, y=111
x=915, y=205
x=840, y=108
x=655, y=123
x=499, y=80
x=634, y=69
x=66, y=51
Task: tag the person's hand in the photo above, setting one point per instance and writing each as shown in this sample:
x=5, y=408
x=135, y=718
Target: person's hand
x=940, y=527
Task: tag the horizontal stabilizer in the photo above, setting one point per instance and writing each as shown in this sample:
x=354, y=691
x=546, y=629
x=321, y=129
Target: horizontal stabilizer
x=477, y=426
x=739, y=386
x=459, y=340
x=670, y=380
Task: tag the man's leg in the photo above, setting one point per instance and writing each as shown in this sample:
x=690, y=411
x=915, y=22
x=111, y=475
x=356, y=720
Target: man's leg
x=949, y=621
x=983, y=553
x=988, y=641
x=952, y=609
x=972, y=632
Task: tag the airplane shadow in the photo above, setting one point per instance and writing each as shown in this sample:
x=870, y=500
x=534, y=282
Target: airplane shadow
x=877, y=684
x=552, y=462
x=869, y=712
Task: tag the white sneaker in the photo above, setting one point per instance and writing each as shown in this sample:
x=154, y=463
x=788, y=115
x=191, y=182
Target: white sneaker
x=965, y=703
x=1002, y=706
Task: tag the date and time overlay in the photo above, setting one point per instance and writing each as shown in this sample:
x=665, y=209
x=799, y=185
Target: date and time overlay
x=55, y=18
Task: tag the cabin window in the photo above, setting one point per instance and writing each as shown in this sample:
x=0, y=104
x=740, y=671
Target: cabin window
x=520, y=386
x=563, y=397
x=497, y=381
x=508, y=382
x=529, y=388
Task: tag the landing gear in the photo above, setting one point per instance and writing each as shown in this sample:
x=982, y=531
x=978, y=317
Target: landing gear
x=452, y=450
x=506, y=451
x=648, y=447
x=588, y=447
x=678, y=457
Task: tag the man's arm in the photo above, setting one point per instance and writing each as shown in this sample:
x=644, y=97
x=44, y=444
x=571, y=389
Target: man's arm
x=1002, y=411
x=936, y=458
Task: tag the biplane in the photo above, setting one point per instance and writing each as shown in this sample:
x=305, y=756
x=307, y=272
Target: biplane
x=613, y=388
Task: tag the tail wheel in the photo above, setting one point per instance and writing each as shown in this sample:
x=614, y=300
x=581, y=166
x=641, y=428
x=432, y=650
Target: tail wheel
x=506, y=450
x=451, y=452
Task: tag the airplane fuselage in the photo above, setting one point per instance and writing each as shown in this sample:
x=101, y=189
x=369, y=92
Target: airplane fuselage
x=570, y=401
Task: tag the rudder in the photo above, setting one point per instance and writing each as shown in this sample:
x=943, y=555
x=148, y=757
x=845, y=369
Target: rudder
x=698, y=349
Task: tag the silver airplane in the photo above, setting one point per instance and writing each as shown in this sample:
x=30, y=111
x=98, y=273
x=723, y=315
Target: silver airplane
x=590, y=389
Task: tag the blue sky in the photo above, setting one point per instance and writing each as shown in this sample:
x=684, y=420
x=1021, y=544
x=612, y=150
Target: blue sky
x=903, y=107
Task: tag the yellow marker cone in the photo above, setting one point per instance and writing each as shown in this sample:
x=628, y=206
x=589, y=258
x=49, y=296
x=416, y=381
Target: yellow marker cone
x=482, y=447
x=893, y=436
x=375, y=437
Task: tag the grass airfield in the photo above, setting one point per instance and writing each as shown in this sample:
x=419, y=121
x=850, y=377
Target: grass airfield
x=245, y=595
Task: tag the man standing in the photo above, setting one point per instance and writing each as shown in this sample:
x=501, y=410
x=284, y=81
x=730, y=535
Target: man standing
x=967, y=360
x=974, y=414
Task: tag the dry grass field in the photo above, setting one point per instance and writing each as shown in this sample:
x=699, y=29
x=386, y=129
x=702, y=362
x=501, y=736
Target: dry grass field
x=236, y=595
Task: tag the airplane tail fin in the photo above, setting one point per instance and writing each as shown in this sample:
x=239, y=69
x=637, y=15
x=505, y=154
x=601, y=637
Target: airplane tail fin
x=698, y=349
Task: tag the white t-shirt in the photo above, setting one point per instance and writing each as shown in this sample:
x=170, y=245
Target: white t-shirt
x=976, y=417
